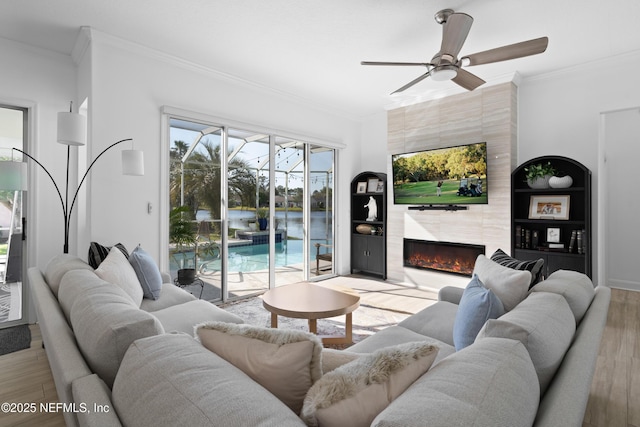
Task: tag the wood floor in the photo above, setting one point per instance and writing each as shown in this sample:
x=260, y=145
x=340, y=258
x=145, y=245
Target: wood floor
x=615, y=392
x=25, y=376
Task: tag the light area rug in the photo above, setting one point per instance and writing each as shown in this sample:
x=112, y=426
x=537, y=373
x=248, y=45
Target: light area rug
x=366, y=321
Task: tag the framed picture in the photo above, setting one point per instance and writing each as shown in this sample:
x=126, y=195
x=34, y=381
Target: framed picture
x=372, y=184
x=362, y=187
x=380, y=186
x=553, y=235
x=549, y=207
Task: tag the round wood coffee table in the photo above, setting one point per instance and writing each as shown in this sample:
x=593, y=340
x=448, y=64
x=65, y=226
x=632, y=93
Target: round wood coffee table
x=312, y=302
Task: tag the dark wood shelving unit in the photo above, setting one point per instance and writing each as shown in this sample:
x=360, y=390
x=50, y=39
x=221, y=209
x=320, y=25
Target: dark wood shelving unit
x=579, y=218
x=369, y=251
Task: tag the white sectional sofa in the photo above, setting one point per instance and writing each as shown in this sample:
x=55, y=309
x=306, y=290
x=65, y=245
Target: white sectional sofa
x=531, y=366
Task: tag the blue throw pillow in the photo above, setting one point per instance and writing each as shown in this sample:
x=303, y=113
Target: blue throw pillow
x=148, y=273
x=477, y=305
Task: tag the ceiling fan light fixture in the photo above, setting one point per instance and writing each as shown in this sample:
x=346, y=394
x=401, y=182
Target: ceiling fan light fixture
x=444, y=73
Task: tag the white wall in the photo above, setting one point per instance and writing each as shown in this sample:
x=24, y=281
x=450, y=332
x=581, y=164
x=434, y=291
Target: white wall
x=559, y=114
x=129, y=87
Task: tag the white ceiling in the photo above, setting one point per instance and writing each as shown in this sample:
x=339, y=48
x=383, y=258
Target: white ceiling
x=311, y=49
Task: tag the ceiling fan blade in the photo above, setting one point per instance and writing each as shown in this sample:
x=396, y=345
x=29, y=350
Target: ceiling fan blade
x=454, y=33
x=467, y=80
x=512, y=51
x=412, y=82
x=394, y=63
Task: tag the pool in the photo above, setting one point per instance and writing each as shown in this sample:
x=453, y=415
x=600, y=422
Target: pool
x=249, y=257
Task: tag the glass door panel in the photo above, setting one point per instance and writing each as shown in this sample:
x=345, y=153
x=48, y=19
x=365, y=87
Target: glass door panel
x=248, y=207
x=321, y=249
x=195, y=233
x=289, y=210
x=13, y=134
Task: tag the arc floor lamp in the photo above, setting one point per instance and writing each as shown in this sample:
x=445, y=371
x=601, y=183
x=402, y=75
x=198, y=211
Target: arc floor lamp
x=72, y=131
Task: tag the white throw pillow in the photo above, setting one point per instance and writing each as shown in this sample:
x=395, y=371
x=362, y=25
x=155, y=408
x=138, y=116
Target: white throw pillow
x=510, y=286
x=116, y=269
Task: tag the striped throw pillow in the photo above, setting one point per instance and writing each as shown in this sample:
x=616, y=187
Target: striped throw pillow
x=533, y=266
x=98, y=252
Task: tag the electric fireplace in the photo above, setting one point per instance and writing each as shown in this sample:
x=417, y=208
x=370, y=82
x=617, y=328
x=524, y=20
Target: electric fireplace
x=447, y=257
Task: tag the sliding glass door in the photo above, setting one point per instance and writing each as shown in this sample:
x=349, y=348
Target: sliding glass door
x=13, y=134
x=248, y=209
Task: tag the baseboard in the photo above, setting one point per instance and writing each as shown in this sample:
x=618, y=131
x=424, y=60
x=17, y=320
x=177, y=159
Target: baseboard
x=624, y=284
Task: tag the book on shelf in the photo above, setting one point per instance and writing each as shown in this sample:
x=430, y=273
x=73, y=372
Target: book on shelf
x=579, y=241
x=572, y=242
x=534, y=239
x=555, y=245
x=518, y=236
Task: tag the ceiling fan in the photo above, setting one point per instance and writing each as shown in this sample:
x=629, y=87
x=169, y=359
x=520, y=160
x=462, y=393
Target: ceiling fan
x=445, y=65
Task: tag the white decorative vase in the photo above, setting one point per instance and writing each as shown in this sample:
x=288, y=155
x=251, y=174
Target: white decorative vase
x=560, y=182
x=539, y=183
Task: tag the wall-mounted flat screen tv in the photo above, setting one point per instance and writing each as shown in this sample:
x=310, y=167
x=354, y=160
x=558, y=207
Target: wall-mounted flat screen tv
x=443, y=176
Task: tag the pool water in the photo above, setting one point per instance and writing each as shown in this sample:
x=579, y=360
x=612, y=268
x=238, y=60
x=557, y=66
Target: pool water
x=247, y=258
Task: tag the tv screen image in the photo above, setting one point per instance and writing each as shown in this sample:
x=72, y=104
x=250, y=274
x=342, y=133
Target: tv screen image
x=443, y=176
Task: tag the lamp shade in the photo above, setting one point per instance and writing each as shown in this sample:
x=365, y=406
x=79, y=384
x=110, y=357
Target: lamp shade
x=132, y=162
x=13, y=176
x=72, y=128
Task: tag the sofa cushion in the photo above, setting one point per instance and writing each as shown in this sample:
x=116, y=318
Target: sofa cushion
x=395, y=335
x=74, y=284
x=58, y=266
x=435, y=321
x=116, y=269
x=545, y=325
x=98, y=253
x=575, y=287
x=184, y=317
x=477, y=305
x=105, y=323
x=533, y=266
x=490, y=383
x=510, y=285
x=285, y=362
x=172, y=380
x=355, y=393
x=147, y=272
x=170, y=295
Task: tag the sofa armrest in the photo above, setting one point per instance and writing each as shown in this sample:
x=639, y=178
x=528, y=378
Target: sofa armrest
x=166, y=277
x=450, y=294
x=93, y=393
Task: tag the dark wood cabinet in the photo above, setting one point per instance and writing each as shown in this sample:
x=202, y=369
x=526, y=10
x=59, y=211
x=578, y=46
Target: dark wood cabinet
x=368, y=237
x=530, y=226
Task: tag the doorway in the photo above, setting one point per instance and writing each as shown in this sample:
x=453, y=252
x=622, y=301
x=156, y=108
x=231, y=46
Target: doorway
x=13, y=134
x=619, y=204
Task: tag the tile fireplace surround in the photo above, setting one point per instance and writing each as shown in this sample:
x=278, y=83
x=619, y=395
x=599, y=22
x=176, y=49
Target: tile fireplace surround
x=488, y=114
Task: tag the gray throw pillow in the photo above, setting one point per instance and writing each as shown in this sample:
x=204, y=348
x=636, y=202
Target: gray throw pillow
x=148, y=273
